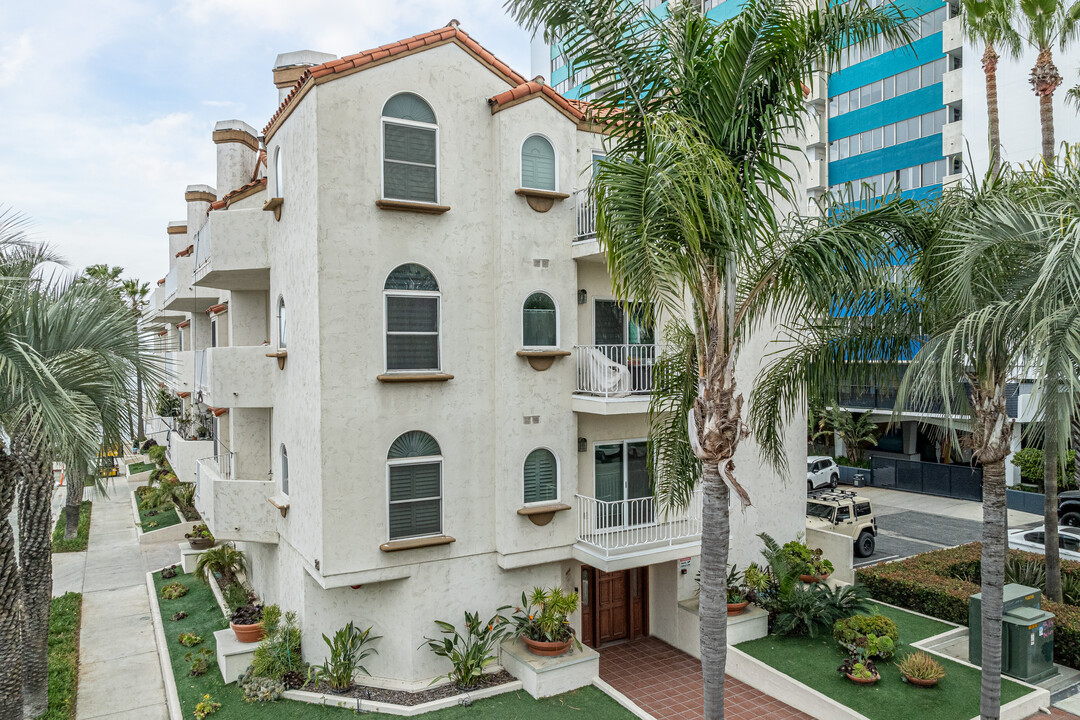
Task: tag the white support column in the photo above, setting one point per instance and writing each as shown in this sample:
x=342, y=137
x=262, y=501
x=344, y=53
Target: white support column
x=1012, y=472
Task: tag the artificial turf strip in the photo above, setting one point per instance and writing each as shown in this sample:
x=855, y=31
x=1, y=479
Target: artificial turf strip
x=64, y=617
x=164, y=518
x=813, y=662
x=204, y=617
x=77, y=543
x=136, y=468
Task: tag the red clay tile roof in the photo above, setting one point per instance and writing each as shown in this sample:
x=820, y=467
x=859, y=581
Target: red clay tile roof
x=450, y=33
x=229, y=197
x=183, y=394
x=163, y=332
x=218, y=412
x=183, y=324
x=161, y=281
x=536, y=89
x=186, y=251
x=214, y=309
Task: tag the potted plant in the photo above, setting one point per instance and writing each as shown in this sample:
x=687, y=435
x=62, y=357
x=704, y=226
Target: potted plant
x=200, y=537
x=737, y=598
x=541, y=621
x=859, y=671
x=874, y=636
x=920, y=669
x=246, y=623
x=810, y=564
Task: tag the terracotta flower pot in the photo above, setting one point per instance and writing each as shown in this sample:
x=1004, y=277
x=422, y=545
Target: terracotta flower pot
x=201, y=543
x=248, y=633
x=546, y=649
x=736, y=608
x=813, y=578
x=863, y=681
x=920, y=682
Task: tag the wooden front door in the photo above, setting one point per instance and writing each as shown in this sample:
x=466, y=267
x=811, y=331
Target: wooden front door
x=614, y=605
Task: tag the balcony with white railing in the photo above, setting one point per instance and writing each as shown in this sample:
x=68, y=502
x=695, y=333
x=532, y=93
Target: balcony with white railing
x=614, y=535
x=230, y=250
x=202, y=375
x=180, y=294
x=180, y=372
x=614, y=379
x=237, y=510
x=585, y=245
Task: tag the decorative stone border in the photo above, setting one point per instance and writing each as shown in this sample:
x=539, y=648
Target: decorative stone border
x=172, y=697
x=371, y=706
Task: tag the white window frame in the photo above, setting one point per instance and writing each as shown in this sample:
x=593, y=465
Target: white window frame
x=281, y=305
x=558, y=318
x=521, y=162
x=278, y=185
x=180, y=339
x=437, y=294
x=558, y=477
x=383, y=120
x=283, y=459
x=213, y=332
x=420, y=460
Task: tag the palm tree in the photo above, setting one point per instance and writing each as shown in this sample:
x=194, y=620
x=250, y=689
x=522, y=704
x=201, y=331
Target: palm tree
x=991, y=23
x=697, y=116
x=109, y=275
x=990, y=296
x=853, y=430
x=135, y=293
x=1049, y=23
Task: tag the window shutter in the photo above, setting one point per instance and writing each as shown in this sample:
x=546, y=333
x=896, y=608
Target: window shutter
x=409, y=158
x=415, y=500
x=540, y=477
x=537, y=164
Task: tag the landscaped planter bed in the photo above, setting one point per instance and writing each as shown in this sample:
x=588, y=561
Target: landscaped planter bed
x=408, y=699
x=813, y=662
x=79, y=542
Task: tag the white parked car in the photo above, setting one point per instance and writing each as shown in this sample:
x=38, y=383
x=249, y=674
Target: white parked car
x=1034, y=540
x=821, y=471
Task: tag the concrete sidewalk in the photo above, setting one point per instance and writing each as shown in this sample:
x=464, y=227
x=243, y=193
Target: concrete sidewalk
x=892, y=501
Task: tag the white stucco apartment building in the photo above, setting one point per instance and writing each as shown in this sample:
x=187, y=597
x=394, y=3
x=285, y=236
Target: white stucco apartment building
x=424, y=397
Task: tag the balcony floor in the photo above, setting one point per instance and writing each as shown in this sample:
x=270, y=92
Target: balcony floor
x=600, y=405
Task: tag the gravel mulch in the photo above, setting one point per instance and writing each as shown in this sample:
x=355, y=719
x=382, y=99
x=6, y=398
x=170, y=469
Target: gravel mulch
x=401, y=697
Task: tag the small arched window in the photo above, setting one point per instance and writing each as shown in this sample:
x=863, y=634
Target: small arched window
x=284, y=470
x=279, y=187
x=410, y=150
x=281, y=321
x=414, y=479
x=541, y=477
x=537, y=163
x=412, y=319
x=539, y=321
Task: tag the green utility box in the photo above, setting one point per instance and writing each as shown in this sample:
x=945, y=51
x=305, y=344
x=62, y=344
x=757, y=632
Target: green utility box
x=1027, y=634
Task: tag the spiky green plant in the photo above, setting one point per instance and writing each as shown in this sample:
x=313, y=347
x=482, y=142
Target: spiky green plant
x=224, y=560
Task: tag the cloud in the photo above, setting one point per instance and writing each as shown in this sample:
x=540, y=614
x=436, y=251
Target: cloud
x=14, y=57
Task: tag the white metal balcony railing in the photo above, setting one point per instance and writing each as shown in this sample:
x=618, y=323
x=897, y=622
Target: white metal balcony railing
x=586, y=215
x=202, y=372
x=615, y=370
x=219, y=465
x=171, y=283
x=623, y=526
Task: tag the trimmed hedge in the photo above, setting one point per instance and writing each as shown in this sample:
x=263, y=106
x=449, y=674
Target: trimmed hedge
x=933, y=584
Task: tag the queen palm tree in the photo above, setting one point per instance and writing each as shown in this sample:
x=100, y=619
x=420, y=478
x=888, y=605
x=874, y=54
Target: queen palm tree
x=991, y=23
x=991, y=296
x=1049, y=23
x=135, y=294
x=699, y=118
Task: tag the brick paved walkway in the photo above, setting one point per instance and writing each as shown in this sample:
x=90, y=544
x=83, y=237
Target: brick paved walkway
x=666, y=683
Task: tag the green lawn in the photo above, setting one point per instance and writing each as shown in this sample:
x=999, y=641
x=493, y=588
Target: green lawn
x=164, y=519
x=813, y=662
x=77, y=543
x=136, y=468
x=64, y=617
x=204, y=617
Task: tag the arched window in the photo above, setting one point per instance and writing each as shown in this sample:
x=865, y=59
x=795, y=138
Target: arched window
x=541, y=477
x=284, y=470
x=410, y=150
x=281, y=321
x=279, y=187
x=412, y=319
x=537, y=163
x=539, y=321
x=414, y=479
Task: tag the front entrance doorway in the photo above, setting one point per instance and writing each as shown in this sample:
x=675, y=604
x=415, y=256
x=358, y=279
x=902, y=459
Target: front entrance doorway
x=614, y=605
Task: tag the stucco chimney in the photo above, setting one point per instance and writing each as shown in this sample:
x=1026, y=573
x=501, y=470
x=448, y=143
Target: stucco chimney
x=198, y=199
x=237, y=152
x=178, y=237
x=288, y=67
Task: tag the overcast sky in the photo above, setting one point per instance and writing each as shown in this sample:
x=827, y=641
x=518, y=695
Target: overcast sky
x=106, y=109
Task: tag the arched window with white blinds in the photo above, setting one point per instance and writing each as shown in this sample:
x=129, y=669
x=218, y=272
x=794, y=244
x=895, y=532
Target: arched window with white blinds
x=541, y=477
x=539, y=321
x=537, y=163
x=412, y=319
x=414, y=480
x=410, y=150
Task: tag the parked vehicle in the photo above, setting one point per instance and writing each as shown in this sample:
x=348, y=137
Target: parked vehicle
x=821, y=471
x=845, y=512
x=1069, y=508
x=1034, y=540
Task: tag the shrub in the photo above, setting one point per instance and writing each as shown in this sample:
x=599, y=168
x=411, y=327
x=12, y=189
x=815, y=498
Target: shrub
x=854, y=632
x=199, y=661
x=237, y=596
x=205, y=707
x=224, y=560
x=260, y=689
x=189, y=639
x=199, y=532
x=279, y=652
x=169, y=573
x=921, y=666
x=1031, y=463
x=247, y=615
x=157, y=454
x=471, y=652
x=543, y=616
x=175, y=590
x=805, y=610
x=855, y=667
x=346, y=652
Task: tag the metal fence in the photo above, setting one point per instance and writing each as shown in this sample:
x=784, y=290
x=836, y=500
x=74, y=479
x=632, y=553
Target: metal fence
x=955, y=481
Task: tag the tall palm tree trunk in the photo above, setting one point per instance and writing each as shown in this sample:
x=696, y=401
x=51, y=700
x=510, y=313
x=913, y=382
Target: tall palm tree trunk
x=993, y=582
x=1045, y=79
x=715, y=534
x=11, y=704
x=75, y=476
x=35, y=562
x=1050, y=516
x=989, y=65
